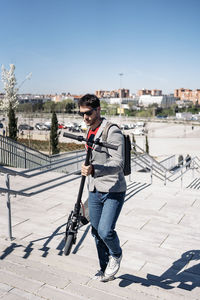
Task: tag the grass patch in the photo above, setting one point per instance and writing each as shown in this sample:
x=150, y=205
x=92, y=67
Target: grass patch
x=43, y=146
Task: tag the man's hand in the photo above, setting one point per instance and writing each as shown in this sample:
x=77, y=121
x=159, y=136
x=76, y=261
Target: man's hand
x=86, y=170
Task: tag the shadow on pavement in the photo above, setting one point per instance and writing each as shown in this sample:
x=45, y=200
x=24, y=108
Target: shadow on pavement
x=183, y=272
x=44, y=247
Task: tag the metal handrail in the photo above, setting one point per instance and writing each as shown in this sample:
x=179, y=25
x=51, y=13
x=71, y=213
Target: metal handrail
x=17, y=155
x=157, y=169
x=143, y=160
x=23, y=173
x=50, y=167
x=153, y=159
x=52, y=163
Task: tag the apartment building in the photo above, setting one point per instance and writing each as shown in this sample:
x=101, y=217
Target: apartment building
x=187, y=94
x=120, y=93
x=153, y=92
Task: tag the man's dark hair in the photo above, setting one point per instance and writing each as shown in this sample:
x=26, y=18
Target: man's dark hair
x=89, y=100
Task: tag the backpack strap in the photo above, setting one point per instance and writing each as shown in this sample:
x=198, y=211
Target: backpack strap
x=106, y=129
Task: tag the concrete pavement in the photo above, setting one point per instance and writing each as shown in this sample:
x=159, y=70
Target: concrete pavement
x=158, y=228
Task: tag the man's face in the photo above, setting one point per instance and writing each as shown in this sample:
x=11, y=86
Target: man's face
x=91, y=115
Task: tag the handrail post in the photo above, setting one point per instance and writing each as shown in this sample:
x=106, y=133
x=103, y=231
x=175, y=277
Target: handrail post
x=24, y=157
x=165, y=181
x=193, y=169
x=77, y=161
x=151, y=171
x=9, y=207
x=181, y=177
x=130, y=177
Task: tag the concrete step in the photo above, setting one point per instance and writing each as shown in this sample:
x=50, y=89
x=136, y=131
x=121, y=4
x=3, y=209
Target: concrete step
x=158, y=229
x=44, y=279
x=194, y=184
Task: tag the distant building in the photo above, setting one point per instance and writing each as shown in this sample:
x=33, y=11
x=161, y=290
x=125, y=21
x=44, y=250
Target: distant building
x=162, y=101
x=120, y=100
x=106, y=94
x=154, y=92
x=33, y=99
x=120, y=93
x=124, y=93
x=143, y=92
x=187, y=94
x=183, y=103
x=184, y=116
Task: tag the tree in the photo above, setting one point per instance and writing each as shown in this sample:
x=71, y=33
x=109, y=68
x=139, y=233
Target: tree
x=69, y=106
x=12, y=123
x=9, y=101
x=54, y=134
x=49, y=106
x=9, y=82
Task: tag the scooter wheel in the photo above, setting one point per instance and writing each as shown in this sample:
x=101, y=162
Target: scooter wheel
x=68, y=244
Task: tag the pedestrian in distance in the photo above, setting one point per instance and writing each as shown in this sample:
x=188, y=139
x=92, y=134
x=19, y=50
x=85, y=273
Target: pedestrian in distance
x=188, y=161
x=107, y=188
x=180, y=160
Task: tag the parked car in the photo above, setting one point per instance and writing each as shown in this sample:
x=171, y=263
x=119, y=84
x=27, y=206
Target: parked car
x=140, y=124
x=75, y=128
x=25, y=127
x=41, y=126
x=60, y=125
x=138, y=131
x=124, y=127
x=69, y=125
x=48, y=124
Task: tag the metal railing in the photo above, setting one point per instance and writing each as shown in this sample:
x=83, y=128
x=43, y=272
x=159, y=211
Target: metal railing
x=148, y=163
x=71, y=164
x=17, y=155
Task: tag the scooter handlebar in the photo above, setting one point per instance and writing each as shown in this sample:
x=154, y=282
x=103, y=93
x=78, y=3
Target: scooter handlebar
x=80, y=138
x=107, y=145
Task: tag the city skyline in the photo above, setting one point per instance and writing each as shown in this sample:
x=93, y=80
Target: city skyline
x=84, y=46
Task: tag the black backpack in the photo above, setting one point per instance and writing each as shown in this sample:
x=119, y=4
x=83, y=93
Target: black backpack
x=127, y=148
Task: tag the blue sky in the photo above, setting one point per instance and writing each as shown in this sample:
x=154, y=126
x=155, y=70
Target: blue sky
x=80, y=46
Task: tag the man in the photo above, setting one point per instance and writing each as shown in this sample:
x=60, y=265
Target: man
x=107, y=188
x=188, y=161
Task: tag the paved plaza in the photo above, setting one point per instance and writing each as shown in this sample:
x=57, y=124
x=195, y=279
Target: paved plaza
x=158, y=228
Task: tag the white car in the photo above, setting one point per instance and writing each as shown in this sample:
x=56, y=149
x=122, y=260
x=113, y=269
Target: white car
x=138, y=131
x=41, y=126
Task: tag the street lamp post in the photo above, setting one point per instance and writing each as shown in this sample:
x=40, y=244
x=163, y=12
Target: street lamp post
x=28, y=77
x=120, y=78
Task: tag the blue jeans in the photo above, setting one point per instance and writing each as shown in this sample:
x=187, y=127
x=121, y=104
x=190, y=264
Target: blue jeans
x=104, y=210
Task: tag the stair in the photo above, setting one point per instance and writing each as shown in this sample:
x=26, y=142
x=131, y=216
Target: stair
x=159, y=234
x=195, y=184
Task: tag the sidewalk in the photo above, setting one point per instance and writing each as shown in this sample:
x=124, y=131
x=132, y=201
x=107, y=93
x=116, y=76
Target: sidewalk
x=158, y=229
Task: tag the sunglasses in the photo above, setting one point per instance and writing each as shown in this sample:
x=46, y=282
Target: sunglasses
x=87, y=113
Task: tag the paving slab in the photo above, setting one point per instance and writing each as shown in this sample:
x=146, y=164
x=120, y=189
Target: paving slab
x=159, y=234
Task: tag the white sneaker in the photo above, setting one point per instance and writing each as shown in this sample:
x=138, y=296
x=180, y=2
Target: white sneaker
x=98, y=276
x=112, y=267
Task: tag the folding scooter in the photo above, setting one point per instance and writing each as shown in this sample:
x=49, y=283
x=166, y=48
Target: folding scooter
x=75, y=216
